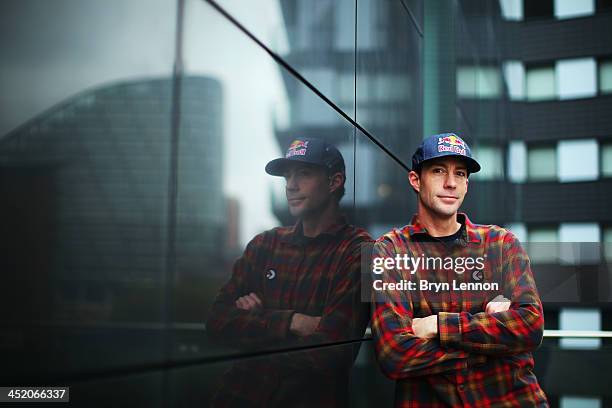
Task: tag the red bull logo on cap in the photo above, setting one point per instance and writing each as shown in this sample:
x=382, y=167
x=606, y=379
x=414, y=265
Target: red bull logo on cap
x=451, y=143
x=297, y=148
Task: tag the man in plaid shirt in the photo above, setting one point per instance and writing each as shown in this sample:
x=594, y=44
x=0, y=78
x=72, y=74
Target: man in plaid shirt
x=296, y=287
x=455, y=336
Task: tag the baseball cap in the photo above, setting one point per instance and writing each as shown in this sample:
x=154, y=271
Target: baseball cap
x=442, y=145
x=308, y=150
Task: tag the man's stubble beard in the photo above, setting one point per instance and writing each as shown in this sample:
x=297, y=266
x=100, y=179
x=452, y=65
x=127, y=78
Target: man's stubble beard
x=442, y=212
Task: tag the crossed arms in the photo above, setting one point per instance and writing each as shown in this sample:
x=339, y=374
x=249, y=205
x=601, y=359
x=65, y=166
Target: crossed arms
x=444, y=342
x=301, y=324
x=240, y=317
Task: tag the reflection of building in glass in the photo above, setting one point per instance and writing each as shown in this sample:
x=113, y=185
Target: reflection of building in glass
x=385, y=97
x=95, y=172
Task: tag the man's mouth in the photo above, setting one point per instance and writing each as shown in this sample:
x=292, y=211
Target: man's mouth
x=448, y=198
x=295, y=200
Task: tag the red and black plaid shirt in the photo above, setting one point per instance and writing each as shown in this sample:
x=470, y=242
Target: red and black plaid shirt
x=291, y=273
x=478, y=359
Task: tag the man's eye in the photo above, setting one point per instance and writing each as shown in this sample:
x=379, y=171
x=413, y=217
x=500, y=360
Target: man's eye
x=437, y=170
x=461, y=174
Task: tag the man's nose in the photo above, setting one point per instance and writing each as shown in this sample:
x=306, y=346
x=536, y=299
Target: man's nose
x=449, y=181
x=291, y=183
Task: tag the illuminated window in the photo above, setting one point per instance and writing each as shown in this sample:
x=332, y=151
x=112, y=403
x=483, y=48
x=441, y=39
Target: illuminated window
x=478, y=82
x=512, y=10
x=574, y=8
x=607, y=243
x=578, y=160
x=541, y=163
x=491, y=162
x=542, y=247
x=606, y=160
x=519, y=230
x=580, y=402
x=580, y=319
x=517, y=161
x=580, y=243
x=605, y=76
x=540, y=83
x=514, y=75
x=576, y=78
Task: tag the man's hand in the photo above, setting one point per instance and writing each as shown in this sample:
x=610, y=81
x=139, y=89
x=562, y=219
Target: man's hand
x=303, y=325
x=498, y=304
x=426, y=327
x=249, y=302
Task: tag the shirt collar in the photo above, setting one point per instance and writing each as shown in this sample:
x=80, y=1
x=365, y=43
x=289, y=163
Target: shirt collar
x=470, y=234
x=295, y=234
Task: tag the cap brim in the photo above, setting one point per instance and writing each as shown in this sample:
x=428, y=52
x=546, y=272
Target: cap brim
x=277, y=167
x=472, y=165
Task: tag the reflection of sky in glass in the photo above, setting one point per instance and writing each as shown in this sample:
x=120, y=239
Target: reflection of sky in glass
x=91, y=44
x=254, y=98
x=77, y=45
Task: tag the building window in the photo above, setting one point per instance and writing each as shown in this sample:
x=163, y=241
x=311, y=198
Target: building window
x=580, y=319
x=607, y=243
x=491, y=162
x=385, y=87
x=478, y=82
x=519, y=230
x=344, y=25
x=512, y=10
x=542, y=244
x=578, y=160
x=606, y=160
x=514, y=75
x=538, y=9
x=346, y=88
x=541, y=163
x=371, y=20
x=364, y=87
x=308, y=108
x=574, y=8
x=517, y=161
x=579, y=402
x=365, y=182
x=579, y=243
x=540, y=83
x=605, y=76
x=579, y=232
x=576, y=78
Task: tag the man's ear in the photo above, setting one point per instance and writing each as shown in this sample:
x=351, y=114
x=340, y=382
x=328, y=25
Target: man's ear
x=414, y=180
x=336, y=181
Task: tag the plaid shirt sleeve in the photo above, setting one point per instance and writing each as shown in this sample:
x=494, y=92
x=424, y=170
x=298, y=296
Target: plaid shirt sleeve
x=399, y=352
x=516, y=330
x=344, y=317
x=249, y=329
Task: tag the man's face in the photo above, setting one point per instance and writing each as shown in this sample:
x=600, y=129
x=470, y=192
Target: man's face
x=307, y=189
x=442, y=185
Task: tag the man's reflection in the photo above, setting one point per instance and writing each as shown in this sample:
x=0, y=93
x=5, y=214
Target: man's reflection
x=296, y=286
